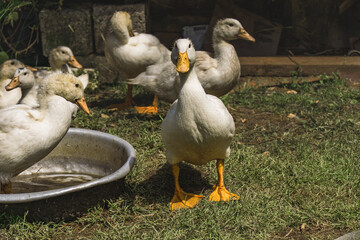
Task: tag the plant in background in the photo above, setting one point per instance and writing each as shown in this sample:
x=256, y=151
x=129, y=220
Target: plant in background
x=18, y=30
x=9, y=10
x=3, y=57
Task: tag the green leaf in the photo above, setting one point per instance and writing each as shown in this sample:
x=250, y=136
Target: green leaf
x=3, y=57
x=11, y=18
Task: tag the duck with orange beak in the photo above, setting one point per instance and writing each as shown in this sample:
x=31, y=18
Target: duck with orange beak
x=218, y=73
x=197, y=129
x=60, y=59
x=25, y=80
x=29, y=134
x=130, y=54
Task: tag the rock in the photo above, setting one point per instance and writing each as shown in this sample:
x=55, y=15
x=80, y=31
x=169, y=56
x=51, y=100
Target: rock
x=68, y=27
x=102, y=15
x=350, y=236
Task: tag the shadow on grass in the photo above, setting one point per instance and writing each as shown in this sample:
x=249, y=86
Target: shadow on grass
x=63, y=208
x=159, y=186
x=106, y=100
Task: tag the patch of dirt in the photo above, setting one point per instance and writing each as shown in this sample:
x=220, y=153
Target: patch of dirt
x=258, y=127
x=351, y=77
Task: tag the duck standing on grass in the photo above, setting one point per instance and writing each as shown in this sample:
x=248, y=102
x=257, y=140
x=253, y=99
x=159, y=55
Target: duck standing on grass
x=131, y=53
x=197, y=129
x=218, y=74
x=27, y=135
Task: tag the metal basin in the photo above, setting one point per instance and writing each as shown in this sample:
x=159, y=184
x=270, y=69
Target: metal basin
x=83, y=159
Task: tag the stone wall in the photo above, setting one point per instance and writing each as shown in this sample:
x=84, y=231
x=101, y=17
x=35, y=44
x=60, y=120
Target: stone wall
x=84, y=31
x=278, y=26
x=69, y=27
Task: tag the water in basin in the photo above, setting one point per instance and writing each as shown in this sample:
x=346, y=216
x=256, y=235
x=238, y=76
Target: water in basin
x=49, y=181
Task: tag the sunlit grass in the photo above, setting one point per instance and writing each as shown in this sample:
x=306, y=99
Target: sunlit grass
x=306, y=174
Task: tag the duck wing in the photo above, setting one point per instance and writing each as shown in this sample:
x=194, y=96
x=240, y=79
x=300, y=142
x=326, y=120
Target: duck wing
x=19, y=116
x=206, y=68
x=160, y=79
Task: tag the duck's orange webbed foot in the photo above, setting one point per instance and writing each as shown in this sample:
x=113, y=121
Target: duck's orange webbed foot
x=221, y=194
x=150, y=110
x=182, y=199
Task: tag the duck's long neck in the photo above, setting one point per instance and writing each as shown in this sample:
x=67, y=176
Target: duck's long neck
x=55, y=65
x=57, y=111
x=29, y=96
x=122, y=33
x=191, y=92
x=224, y=51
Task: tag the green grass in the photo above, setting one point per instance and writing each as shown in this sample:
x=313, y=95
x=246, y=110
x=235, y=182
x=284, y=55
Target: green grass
x=288, y=172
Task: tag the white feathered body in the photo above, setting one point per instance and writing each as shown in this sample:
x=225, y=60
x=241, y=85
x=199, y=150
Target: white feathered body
x=221, y=74
x=198, y=128
x=28, y=135
x=8, y=98
x=217, y=75
x=160, y=79
x=131, y=57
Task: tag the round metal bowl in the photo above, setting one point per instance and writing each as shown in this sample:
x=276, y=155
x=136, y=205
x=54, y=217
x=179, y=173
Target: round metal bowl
x=83, y=159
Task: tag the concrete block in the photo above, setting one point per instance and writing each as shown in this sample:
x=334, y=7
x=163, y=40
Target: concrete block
x=68, y=27
x=102, y=15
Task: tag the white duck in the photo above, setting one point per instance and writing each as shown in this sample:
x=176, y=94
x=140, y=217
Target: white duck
x=60, y=58
x=27, y=135
x=130, y=54
x=7, y=70
x=25, y=79
x=217, y=75
x=197, y=129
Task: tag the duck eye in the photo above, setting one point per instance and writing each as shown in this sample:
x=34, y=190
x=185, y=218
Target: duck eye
x=77, y=85
x=189, y=45
x=230, y=24
x=12, y=63
x=63, y=52
x=25, y=74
